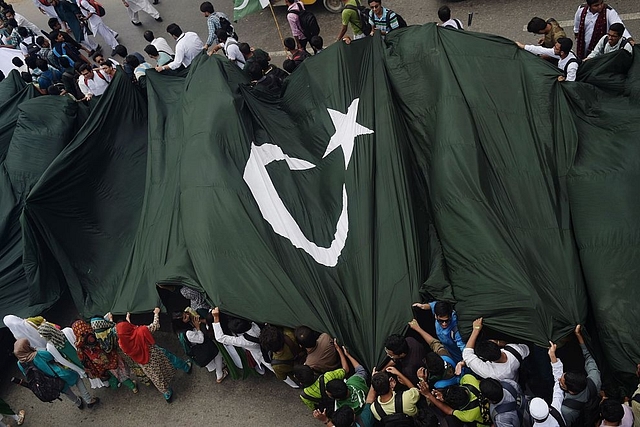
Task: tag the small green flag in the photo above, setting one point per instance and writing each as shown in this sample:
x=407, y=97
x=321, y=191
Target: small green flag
x=242, y=8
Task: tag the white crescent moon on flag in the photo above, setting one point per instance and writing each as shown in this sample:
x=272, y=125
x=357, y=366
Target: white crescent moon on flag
x=242, y=6
x=272, y=207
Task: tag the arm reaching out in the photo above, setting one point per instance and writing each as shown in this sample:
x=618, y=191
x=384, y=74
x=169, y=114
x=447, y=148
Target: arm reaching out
x=477, y=327
x=343, y=360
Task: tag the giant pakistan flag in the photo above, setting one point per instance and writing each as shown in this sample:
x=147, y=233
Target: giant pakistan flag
x=435, y=162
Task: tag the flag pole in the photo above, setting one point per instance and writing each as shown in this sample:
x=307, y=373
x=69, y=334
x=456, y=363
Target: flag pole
x=276, y=21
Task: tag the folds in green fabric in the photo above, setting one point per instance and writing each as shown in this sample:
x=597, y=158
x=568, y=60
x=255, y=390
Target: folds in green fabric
x=433, y=162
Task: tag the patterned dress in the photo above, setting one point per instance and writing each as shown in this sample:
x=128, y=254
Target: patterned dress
x=159, y=369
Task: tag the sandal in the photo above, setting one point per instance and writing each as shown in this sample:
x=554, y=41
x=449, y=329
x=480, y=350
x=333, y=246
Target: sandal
x=21, y=415
x=225, y=373
x=168, y=396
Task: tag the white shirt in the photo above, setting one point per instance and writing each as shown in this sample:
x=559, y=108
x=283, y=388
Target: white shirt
x=188, y=46
x=25, y=42
x=558, y=396
x=572, y=69
x=451, y=23
x=161, y=45
x=604, y=47
x=242, y=342
x=232, y=51
x=590, y=20
x=95, y=86
x=22, y=22
x=86, y=9
x=499, y=371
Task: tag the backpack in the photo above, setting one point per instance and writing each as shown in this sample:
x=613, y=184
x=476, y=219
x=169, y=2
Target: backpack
x=202, y=354
x=226, y=26
x=324, y=403
x=308, y=23
x=32, y=47
x=484, y=410
x=98, y=73
x=300, y=56
x=363, y=14
x=241, y=61
x=97, y=6
x=519, y=406
x=401, y=22
x=45, y=387
x=398, y=418
x=589, y=410
x=571, y=61
x=295, y=350
x=64, y=53
x=454, y=380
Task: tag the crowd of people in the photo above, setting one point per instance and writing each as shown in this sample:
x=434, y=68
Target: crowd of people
x=68, y=59
x=425, y=380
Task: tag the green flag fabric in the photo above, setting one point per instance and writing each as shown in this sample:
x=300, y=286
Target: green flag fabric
x=434, y=162
x=242, y=8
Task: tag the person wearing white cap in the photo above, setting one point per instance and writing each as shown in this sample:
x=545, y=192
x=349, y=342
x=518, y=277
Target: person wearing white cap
x=542, y=414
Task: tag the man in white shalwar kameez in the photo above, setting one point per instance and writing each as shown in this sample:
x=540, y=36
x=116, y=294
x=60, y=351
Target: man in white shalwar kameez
x=135, y=6
x=98, y=27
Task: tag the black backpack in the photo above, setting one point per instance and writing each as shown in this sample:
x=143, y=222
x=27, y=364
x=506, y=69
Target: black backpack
x=401, y=22
x=324, y=403
x=589, y=410
x=46, y=388
x=308, y=23
x=32, y=47
x=363, y=14
x=571, y=61
x=397, y=419
x=227, y=27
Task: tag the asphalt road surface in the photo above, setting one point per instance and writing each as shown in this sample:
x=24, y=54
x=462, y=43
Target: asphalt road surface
x=263, y=402
x=503, y=17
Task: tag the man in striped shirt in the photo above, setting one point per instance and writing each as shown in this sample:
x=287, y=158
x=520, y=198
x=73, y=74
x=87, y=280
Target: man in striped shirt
x=381, y=18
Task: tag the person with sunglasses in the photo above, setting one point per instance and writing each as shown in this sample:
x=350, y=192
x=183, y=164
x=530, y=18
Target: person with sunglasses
x=446, y=327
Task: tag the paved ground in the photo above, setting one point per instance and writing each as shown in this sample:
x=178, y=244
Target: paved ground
x=503, y=17
x=261, y=402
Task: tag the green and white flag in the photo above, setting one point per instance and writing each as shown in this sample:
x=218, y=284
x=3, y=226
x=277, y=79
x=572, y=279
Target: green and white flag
x=242, y=8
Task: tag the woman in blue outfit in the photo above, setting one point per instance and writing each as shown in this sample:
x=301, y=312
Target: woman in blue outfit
x=44, y=361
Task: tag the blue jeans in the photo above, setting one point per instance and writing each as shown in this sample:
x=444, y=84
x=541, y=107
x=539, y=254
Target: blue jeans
x=175, y=360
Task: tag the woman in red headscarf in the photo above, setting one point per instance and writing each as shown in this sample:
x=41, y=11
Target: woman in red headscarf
x=97, y=362
x=139, y=344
